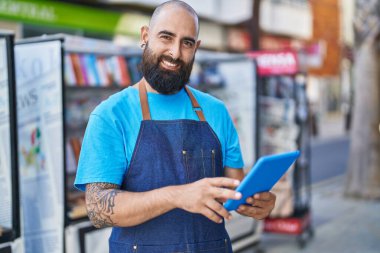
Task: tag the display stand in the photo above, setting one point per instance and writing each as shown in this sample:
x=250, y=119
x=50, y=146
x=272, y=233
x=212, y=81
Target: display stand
x=39, y=90
x=9, y=204
x=283, y=121
x=232, y=79
x=60, y=80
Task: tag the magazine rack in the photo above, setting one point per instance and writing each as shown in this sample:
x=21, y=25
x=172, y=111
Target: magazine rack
x=9, y=205
x=283, y=127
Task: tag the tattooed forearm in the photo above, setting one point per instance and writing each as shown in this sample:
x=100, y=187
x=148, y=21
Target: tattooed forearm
x=100, y=203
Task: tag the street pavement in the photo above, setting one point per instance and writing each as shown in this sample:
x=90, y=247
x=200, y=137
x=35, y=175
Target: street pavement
x=329, y=158
x=340, y=224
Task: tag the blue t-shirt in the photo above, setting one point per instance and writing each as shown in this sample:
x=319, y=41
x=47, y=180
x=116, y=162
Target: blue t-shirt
x=114, y=125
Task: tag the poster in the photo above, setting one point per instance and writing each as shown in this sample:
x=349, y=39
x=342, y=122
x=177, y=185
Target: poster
x=239, y=97
x=40, y=149
x=5, y=149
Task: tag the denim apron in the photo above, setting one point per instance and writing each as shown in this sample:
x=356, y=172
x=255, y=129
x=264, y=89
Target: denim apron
x=172, y=152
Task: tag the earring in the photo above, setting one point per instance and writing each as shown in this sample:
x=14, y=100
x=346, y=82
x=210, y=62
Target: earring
x=143, y=45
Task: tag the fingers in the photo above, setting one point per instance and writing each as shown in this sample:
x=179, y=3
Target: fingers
x=259, y=206
x=220, y=192
x=206, y=193
x=216, y=191
x=223, y=182
x=223, y=193
x=254, y=212
x=261, y=199
x=219, y=209
x=211, y=215
x=265, y=196
x=257, y=203
x=221, y=200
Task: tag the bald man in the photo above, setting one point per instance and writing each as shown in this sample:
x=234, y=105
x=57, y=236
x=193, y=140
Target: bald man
x=159, y=158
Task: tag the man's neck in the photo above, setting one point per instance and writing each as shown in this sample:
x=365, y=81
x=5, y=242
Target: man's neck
x=147, y=86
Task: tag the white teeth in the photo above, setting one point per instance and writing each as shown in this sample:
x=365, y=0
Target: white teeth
x=169, y=64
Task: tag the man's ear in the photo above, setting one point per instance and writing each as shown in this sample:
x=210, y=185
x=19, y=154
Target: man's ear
x=198, y=43
x=144, y=34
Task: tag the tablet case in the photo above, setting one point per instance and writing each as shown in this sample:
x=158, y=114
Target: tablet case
x=263, y=175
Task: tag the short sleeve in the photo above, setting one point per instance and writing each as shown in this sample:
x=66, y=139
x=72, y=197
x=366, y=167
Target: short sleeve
x=102, y=157
x=233, y=155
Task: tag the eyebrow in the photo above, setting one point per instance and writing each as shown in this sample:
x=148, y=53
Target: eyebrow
x=174, y=35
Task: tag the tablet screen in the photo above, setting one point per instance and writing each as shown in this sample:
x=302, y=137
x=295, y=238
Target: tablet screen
x=263, y=175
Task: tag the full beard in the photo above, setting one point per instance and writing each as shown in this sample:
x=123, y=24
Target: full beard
x=162, y=80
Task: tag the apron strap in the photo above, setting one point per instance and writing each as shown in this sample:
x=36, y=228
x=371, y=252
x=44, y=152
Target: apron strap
x=145, y=106
x=196, y=106
x=144, y=101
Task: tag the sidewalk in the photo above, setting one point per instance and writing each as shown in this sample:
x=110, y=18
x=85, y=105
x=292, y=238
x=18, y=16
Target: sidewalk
x=340, y=224
x=331, y=126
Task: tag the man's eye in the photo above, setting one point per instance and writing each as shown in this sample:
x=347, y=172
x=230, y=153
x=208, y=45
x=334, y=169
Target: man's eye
x=165, y=37
x=188, y=43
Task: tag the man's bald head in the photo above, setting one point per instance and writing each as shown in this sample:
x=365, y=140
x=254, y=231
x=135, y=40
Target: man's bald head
x=170, y=43
x=173, y=4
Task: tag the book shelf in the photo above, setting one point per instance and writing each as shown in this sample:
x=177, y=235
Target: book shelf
x=9, y=205
x=89, y=78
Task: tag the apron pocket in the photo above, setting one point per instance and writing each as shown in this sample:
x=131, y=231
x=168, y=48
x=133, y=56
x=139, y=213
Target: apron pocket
x=219, y=246
x=199, y=164
x=119, y=247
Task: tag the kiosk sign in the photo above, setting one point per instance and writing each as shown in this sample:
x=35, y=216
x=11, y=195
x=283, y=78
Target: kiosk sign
x=275, y=63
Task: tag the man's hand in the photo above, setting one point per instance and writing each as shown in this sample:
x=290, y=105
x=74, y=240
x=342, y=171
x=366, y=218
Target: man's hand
x=259, y=206
x=201, y=197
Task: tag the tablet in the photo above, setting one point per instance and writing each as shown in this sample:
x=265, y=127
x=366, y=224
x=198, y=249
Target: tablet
x=263, y=175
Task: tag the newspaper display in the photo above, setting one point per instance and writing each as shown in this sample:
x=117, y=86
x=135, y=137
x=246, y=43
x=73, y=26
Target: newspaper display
x=5, y=156
x=40, y=149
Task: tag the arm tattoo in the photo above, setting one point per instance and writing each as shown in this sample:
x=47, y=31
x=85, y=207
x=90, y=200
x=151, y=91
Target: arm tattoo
x=100, y=203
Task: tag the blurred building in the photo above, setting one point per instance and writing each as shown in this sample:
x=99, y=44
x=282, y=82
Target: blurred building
x=313, y=28
x=285, y=24
x=320, y=29
x=324, y=79
x=29, y=18
x=222, y=22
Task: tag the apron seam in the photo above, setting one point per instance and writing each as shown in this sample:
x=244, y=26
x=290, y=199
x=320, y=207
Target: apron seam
x=142, y=126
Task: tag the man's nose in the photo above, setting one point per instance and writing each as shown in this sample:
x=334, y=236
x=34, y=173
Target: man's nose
x=175, y=51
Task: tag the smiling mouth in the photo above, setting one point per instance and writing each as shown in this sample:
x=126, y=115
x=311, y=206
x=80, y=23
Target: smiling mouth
x=169, y=65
